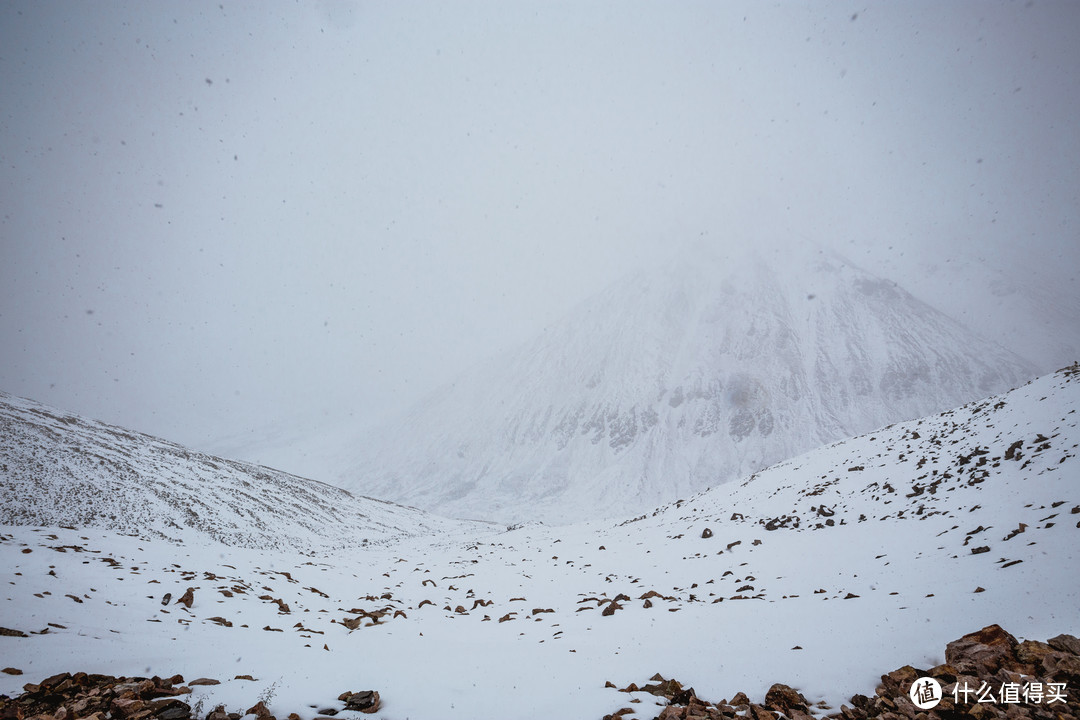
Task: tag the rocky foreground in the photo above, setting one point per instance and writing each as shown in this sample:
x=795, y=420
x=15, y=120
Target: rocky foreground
x=70, y=696
x=986, y=675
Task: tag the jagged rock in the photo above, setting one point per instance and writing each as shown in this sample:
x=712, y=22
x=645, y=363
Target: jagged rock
x=1030, y=654
x=187, y=598
x=127, y=707
x=982, y=711
x=260, y=711
x=740, y=699
x=706, y=533
x=898, y=681
x=850, y=713
x=1062, y=667
x=982, y=653
x=366, y=701
x=11, y=671
x=1065, y=644
x=784, y=699
x=670, y=689
x=611, y=608
x=170, y=709
x=944, y=673
x=757, y=712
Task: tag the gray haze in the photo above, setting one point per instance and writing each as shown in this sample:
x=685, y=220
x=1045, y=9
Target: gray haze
x=222, y=220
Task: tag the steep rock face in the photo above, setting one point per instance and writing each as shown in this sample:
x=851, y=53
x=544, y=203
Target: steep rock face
x=61, y=469
x=678, y=379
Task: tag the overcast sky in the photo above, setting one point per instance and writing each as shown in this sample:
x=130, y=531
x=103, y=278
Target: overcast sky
x=221, y=217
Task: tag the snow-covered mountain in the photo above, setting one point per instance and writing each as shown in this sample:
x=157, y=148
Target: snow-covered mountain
x=61, y=469
x=681, y=378
x=822, y=572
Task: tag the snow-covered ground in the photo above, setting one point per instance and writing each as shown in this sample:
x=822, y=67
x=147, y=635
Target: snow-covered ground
x=821, y=572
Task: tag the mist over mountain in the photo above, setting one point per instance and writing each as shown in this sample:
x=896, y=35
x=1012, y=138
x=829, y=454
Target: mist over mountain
x=679, y=378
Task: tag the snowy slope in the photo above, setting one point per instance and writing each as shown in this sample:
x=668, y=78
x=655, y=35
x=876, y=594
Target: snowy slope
x=822, y=572
x=678, y=379
x=61, y=469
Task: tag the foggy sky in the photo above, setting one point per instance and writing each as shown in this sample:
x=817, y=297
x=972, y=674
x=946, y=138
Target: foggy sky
x=218, y=218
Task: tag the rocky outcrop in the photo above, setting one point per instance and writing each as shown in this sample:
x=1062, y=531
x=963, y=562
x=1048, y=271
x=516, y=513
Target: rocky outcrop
x=987, y=675
x=103, y=697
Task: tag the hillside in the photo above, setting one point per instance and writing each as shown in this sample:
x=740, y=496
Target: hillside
x=61, y=469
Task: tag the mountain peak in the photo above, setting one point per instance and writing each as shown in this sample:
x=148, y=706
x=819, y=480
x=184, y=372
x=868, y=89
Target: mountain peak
x=681, y=377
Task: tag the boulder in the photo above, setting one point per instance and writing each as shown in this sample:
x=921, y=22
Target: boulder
x=187, y=598
x=898, y=682
x=783, y=699
x=1065, y=643
x=170, y=709
x=757, y=712
x=366, y=701
x=984, y=652
x=259, y=710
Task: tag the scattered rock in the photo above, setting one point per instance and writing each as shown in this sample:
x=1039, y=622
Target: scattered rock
x=366, y=701
x=259, y=710
x=187, y=598
x=988, y=658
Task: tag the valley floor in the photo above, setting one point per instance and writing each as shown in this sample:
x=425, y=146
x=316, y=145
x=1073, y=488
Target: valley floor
x=512, y=624
x=822, y=572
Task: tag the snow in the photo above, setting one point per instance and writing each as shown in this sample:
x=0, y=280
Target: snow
x=912, y=571
x=675, y=379
x=62, y=469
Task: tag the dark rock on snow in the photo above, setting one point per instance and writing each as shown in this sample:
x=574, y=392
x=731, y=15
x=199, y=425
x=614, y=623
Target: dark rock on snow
x=102, y=697
x=991, y=656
